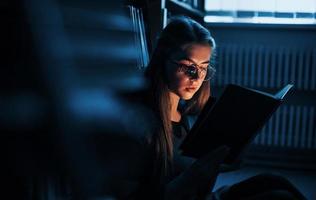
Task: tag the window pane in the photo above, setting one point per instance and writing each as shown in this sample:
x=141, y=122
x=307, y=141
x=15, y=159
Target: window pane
x=261, y=11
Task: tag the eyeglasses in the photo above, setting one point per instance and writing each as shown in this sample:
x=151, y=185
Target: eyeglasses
x=195, y=72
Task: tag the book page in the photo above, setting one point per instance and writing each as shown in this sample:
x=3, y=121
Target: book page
x=283, y=92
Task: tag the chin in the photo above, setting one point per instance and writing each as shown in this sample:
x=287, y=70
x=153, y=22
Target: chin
x=187, y=96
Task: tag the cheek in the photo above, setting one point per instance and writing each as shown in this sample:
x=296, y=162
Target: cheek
x=177, y=81
x=182, y=80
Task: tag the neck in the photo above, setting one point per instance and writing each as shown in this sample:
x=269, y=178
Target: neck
x=174, y=100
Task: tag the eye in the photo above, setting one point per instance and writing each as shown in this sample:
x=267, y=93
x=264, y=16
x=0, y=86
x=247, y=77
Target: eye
x=191, y=68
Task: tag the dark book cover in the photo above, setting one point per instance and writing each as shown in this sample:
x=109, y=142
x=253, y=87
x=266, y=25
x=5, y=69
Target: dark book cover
x=234, y=120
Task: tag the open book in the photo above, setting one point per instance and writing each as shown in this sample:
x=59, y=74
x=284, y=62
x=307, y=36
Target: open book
x=234, y=120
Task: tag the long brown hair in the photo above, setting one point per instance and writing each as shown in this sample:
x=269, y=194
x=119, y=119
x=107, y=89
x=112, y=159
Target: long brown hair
x=179, y=31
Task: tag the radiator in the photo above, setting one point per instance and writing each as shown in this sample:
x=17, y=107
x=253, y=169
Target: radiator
x=291, y=127
x=272, y=67
x=265, y=66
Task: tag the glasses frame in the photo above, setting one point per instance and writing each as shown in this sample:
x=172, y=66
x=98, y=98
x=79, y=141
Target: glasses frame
x=185, y=70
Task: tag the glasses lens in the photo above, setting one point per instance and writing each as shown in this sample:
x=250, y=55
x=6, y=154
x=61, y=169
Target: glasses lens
x=191, y=71
x=210, y=73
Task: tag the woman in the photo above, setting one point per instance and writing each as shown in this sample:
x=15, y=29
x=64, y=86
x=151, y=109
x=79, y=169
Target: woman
x=180, y=69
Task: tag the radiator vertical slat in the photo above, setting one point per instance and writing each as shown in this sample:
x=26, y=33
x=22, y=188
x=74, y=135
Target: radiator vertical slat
x=266, y=68
x=260, y=66
x=233, y=64
x=271, y=129
x=307, y=69
x=271, y=78
x=303, y=130
x=217, y=78
x=226, y=67
x=240, y=65
x=297, y=126
x=270, y=132
x=290, y=137
x=293, y=64
x=300, y=70
x=220, y=75
x=286, y=65
x=229, y=65
x=222, y=66
x=283, y=125
x=280, y=67
x=253, y=66
x=276, y=128
x=311, y=123
x=272, y=124
x=246, y=66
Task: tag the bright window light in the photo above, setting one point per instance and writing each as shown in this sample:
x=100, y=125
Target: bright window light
x=259, y=11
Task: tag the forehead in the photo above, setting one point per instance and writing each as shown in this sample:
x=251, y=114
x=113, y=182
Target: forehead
x=196, y=52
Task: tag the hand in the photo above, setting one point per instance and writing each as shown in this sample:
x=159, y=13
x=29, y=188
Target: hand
x=197, y=180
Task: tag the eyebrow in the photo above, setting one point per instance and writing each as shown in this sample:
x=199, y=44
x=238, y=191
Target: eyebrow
x=205, y=62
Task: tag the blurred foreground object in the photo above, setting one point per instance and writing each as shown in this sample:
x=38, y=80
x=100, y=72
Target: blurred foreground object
x=62, y=130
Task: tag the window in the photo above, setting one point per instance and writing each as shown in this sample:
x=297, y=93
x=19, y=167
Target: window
x=261, y=11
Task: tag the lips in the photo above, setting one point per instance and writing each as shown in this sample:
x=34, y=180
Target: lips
x=191, y=88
